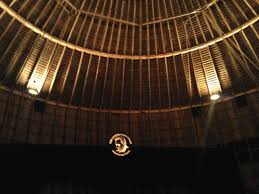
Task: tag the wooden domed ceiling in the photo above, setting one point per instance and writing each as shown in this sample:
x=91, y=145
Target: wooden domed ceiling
x=129, y=54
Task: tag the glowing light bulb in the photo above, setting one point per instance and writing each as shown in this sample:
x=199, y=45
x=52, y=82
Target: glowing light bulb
x=33, y=91
x=215, y=97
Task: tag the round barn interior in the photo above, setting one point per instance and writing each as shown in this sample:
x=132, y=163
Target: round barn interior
x=76, y=72
x=168, y=73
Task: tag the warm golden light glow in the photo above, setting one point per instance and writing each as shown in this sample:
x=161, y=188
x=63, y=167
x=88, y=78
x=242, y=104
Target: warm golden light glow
x=33, y=91
x=215, y=97
x=35, y=84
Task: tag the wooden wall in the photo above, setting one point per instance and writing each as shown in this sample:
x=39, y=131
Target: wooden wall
x=20, y=121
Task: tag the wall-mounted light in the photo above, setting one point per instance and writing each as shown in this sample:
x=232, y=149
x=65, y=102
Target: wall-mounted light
x=33, y=86
x=33, y=91
x=214, y=97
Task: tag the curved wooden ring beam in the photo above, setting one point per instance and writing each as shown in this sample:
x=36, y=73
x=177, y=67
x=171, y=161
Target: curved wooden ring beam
x=48, y=36
x=127, y=111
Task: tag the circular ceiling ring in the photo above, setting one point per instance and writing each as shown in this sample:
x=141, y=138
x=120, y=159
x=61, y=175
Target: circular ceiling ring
x=124, y=111
x=49, y=37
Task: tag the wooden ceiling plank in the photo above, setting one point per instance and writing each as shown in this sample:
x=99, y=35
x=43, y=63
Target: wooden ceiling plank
x=70, y=61
x=99, y=58
x=116, y=51
x=20, y=74
x=19, y=30
x=107, y=59
x=124, y=52
x=213, y=88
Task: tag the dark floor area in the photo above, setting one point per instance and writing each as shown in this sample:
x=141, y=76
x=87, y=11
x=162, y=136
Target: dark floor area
x=83, y=169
